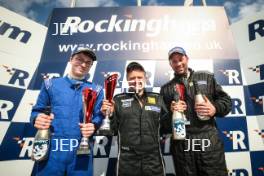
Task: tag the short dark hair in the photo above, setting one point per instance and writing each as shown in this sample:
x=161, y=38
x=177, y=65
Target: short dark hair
x=134, y=66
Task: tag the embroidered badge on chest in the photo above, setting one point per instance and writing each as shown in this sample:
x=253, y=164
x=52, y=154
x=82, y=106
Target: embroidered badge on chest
x=152, y=108
x=202, y=82
x=127, y=102
x=151, y=100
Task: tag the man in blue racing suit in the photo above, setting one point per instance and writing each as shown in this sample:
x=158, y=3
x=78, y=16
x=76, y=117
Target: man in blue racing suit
x=64, y=96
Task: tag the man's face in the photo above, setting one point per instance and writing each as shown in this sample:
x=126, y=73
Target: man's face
x=136, y=80
x=179, y=63
x=81, y=64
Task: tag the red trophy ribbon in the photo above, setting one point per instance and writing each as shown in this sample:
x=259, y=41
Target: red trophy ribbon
x=178, y=117
x=88, y=99
x=180, y=88
x=181, y=91
x=110, y=85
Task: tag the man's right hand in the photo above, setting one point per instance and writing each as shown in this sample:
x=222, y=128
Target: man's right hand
x=107, y=106
x=43, y=121
x=178, y=106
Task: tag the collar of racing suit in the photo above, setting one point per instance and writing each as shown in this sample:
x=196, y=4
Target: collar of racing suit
x=75, y=83
x=141, y=98
x=184, y=77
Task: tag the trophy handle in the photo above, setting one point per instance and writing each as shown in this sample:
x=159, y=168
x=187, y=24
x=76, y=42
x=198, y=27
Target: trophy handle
x=108, y=112
x=105, y=129
x=84, y=147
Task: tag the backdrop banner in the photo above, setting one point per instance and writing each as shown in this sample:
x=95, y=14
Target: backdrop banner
x=120, y=35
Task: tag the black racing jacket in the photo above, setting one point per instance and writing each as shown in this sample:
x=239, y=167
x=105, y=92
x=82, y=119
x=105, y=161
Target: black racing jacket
x=138, y=127
x=209, y=87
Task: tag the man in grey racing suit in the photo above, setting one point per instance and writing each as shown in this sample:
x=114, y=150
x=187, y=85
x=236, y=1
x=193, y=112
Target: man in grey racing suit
x=209, y=161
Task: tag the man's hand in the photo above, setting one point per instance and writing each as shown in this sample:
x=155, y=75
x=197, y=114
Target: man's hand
x=206, y=108
x=87, y=129
x=178, y=106
x=43, y=121
x=107, y=106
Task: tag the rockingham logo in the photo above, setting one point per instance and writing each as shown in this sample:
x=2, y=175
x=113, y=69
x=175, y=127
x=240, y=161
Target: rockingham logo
x=14, y=32
x=26, y=146
x=50, y=75
x=17, y=76
x=260, y=132
x=259, y=69
x=152, y=27
x=238, y=172
x=237, y=138
x=233, y=76
x=5, y=107
x=228, y=135
x=257, y=100
x=256, y=29
x=20, y=142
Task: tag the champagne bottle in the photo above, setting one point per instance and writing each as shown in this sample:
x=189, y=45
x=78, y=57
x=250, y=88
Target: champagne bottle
x=178, y=123
x=41, y=142
x=199, y=99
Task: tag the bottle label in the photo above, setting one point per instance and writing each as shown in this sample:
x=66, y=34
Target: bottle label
x=40, y=149
x=179, y=129
x=186, y=121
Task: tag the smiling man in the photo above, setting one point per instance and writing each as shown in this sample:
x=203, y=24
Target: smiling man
x=197, y=160
x=64, y=96
x=137, y=117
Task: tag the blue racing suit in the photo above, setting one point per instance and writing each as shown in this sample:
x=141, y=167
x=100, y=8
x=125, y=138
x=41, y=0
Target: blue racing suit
x=64, y=95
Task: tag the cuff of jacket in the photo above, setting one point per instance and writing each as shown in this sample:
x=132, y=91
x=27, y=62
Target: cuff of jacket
x=33, y=119
x=217, y=110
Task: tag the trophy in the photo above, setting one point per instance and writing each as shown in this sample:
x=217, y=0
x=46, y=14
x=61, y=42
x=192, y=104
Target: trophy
x=88, y=99
x=109, y=84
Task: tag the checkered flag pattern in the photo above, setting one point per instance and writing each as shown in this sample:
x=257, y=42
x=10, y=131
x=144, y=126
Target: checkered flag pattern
x=241, y=130
x=255, y=69
x=257, y=100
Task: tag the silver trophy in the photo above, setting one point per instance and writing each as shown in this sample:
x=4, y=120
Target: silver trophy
x=88, y=99
x=110, y=85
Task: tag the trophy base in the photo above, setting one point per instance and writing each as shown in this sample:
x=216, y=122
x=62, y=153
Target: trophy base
x=104, y=132
x=83, y=151
x=84, y=148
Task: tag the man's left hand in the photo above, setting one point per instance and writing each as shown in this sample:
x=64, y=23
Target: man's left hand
x=206, y=108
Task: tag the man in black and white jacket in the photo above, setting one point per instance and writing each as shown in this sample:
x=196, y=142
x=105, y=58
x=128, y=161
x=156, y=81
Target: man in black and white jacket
x=209, y=161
